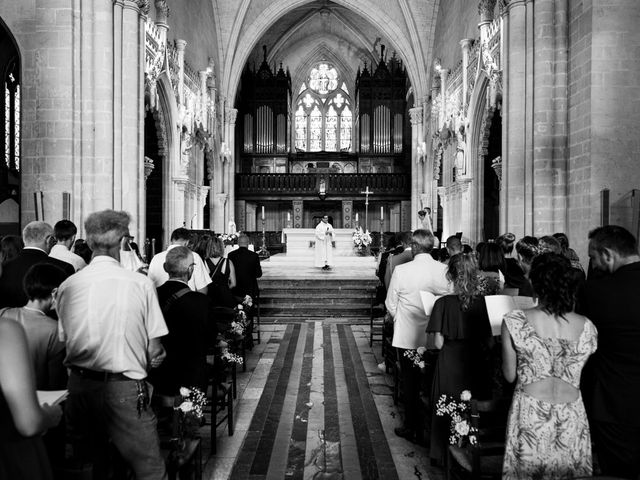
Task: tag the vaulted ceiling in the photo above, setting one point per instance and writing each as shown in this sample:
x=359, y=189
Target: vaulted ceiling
x=298, y=33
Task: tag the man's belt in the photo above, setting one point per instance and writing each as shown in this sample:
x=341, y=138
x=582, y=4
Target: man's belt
x=99, y=376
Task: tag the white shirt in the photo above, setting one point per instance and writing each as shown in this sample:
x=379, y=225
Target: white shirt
x=107, y=315
x=130, y=261
x=158, y=276
x=62, y=253
x=403, y=298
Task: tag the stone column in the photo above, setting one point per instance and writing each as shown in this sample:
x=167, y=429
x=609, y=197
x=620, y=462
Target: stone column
x=230, y=127
x=465, y=44
x=179, y=208
x=415, y=115
x=217, y=208
x=298, y=213
x=347, y=214
x=514, y=163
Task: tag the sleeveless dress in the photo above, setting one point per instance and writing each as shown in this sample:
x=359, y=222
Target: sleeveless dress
x=21, y=458
x=547, y=440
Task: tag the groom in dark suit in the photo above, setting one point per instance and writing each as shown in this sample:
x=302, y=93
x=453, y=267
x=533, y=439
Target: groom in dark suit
x=38, y=240
x=248, y=269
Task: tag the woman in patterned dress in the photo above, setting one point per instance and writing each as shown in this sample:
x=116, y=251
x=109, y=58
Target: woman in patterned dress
x=545, y=348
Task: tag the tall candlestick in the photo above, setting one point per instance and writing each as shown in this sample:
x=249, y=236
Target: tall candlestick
x=381, y=213
x=262, y=212
x=288, y=217
x=356, y=217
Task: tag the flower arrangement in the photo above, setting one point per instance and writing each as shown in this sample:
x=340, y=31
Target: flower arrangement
x=416, y=356
x=229, y=238
x=229, y=357
x=361, y=240
x=247, y=301
x=460, y=429
x=189, y=408
x=239, y=325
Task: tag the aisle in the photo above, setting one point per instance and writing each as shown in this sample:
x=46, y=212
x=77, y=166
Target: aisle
x=313, y=404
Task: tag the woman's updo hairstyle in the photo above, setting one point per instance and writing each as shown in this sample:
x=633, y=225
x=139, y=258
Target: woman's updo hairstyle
x=554, y=282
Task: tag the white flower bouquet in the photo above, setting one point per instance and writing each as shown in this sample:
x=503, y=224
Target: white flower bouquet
x=461, y=431
x=229, y=357
x=361, y=240
x=189, y=407
x=416, y=356
x=229, y=238
x=247, y=301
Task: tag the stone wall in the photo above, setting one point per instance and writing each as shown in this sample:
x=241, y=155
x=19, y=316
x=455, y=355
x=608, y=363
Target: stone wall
x=604, y=111
x=579, y=205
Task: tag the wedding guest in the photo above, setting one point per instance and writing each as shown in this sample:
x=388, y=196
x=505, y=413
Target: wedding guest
x=545, y=349
x=454, y=245
x=37, y=238
x=111, y=322
x=186, y=314
x=199, y=280
x=404, y=305
x=462, y=334
x=47, y=352
x=221, y=271
x=513, y=273
x=130, y=256
x=549, y=244
x=401, y=258
x=394, y=246
x=65, y=232
x=611, y=383
x=10, y=246
x=527, y=250
x=22, y=418
x=81, y=248
x=247, y=269
x=567, y=251
x=491, y=264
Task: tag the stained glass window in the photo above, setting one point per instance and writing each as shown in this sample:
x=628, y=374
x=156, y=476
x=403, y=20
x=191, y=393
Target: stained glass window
x=323, y=118
x=315, y=130
x=346, y=123
x=331, y=130
x=323, y=79
x=301, y=129
x=16, y=133
x=11, y=119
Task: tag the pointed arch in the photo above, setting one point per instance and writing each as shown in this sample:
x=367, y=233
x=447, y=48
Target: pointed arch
x=242, y=46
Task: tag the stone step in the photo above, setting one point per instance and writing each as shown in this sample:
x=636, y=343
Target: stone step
x=348, y=293
x=314, y=302
x=318, y=312
x=325, y=284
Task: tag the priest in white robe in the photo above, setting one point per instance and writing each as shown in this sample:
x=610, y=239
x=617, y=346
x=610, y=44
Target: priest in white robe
x=324, y=244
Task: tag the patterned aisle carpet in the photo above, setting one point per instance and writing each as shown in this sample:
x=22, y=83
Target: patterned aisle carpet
x=313, y=405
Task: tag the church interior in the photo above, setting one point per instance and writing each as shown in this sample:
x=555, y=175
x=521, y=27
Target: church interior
x=262, y=116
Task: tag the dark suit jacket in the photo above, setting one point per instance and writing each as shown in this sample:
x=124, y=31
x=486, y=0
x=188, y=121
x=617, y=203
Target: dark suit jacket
x=611, y=378
x=190, y=334
x=248, y=270
x=13, y=273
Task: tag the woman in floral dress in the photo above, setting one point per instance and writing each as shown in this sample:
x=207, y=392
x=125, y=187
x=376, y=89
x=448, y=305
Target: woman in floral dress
x=546, y=348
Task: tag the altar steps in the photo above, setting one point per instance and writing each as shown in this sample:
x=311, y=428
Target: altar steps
x=282, y=299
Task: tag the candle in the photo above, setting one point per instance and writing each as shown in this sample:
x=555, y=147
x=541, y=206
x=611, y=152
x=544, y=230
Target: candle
x=381, y=213
x=356, y=217
x=288, y=217
x=262, y=212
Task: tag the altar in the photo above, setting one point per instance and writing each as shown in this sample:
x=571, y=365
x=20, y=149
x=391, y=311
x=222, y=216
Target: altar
x=301, y=241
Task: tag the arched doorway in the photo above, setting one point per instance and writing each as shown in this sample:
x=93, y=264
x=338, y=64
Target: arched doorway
x=10, y=110
x=491, y=214
x=154, y=185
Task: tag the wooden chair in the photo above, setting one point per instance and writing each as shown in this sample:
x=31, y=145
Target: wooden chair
x=185, y=460
x=256, y=325
x=222, y=391
x=483, y=460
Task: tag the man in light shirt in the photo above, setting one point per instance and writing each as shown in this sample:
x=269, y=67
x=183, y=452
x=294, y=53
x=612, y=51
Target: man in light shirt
x=65, y=232
x=111, y=322
x=200, y=279
x=410, y=320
